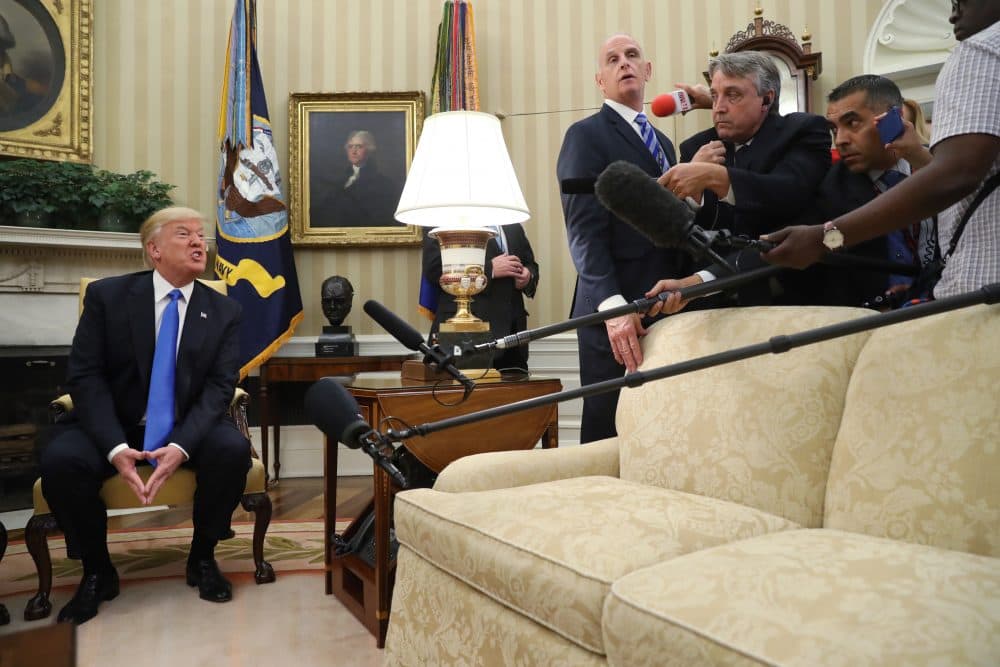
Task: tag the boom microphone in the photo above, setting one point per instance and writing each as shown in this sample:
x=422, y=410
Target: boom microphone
x=335, y=412
x=412, y=339
x=655, y=212
x=668, y=104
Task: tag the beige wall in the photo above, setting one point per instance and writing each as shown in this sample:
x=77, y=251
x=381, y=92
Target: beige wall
x=158, y=72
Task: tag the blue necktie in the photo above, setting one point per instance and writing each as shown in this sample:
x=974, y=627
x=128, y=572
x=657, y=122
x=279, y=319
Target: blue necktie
x=652, y=143
x=160, y=404
x=891, y=178
x=898, y=244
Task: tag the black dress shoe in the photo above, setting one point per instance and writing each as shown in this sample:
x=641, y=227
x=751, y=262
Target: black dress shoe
x=212, y=586
x=93, y=590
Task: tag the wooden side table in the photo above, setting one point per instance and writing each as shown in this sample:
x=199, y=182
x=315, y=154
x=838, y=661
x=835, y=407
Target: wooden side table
x=307, y=369
x=366, y=591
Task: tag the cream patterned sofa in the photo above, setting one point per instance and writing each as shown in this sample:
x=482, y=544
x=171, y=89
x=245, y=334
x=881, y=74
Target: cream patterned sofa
x=838, y=504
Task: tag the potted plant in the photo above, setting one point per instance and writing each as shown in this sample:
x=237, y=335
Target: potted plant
x=75, y=196
x=125, y=200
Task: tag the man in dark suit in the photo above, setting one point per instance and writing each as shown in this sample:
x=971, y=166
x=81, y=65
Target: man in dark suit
x=614, y=263
x=110, y=379
x=751, y=172
x=866, y=169
x=511, y=273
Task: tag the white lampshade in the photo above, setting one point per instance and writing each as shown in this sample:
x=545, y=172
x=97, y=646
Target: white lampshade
x=461, y=175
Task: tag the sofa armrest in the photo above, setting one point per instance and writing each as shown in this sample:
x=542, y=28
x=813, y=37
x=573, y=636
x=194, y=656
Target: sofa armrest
x=501, y=470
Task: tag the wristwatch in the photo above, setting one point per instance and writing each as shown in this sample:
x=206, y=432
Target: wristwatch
x=833, y=238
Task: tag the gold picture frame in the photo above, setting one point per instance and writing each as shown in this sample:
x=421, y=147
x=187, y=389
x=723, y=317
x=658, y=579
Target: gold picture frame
x=45, y=71
x=347, y=160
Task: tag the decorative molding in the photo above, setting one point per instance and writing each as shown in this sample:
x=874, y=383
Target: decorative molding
x=68, y=238
x=909, y=43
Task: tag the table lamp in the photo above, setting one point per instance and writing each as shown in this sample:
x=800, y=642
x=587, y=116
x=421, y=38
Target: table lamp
x=462, y=183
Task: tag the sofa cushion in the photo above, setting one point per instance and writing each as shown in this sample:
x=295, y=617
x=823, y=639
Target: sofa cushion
x=918, y=454
x=809, y=597
x=553, y=560
x=757, y=432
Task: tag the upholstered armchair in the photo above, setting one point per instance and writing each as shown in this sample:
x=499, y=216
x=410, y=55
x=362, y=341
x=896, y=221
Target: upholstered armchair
x=178, y=490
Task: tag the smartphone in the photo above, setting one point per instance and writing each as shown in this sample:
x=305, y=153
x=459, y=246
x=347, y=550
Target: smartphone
x=890, y=127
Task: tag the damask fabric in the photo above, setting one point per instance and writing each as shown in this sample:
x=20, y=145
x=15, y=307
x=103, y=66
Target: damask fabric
x=918, y=453
x=758, y=432
x=501, y=470
x=438, y=620
x=808, y=597
x=554, y=561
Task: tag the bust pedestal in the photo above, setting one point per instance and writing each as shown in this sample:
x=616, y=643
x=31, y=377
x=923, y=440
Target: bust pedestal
x=336, y=341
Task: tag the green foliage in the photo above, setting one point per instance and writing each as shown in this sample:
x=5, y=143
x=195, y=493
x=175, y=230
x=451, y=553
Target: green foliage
x=77, y=195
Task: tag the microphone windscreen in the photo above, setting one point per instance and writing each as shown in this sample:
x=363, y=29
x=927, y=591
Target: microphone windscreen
x=636, y=197
x=389, y=321
x=663, y=105
x=577, y=186
x=335, y=412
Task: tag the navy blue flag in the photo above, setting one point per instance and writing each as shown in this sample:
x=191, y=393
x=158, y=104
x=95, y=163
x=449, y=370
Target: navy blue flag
x=254, y=248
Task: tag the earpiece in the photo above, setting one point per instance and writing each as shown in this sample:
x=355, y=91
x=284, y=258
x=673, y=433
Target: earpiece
x=767, y=101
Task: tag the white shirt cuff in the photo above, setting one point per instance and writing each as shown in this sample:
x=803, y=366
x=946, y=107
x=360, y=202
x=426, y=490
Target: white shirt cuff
x=114, y=452
x=174, y=444
x=730, y=197
x=705, y=276
x=612, y=302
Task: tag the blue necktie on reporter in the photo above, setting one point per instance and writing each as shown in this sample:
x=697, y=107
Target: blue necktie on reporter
x=652, y=143
x=160, y=404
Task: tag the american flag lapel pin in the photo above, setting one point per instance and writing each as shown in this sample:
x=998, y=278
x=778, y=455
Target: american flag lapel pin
x=204, y=316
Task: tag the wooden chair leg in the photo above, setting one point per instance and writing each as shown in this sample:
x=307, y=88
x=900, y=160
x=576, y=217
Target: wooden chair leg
x=260, y=505
x=4, y=614
x=36, y=537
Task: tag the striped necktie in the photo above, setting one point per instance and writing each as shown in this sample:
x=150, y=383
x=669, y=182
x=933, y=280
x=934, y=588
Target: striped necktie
x=652, y=143
x=160, y=404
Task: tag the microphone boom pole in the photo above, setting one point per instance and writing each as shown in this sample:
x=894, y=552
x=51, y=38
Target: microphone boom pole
x=988, y=294
x=637, y=306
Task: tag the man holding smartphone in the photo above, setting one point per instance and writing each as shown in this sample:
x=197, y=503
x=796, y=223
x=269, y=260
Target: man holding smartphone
x=960, y=181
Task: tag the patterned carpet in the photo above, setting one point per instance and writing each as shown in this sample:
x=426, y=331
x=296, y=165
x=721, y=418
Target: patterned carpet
x=290, y=546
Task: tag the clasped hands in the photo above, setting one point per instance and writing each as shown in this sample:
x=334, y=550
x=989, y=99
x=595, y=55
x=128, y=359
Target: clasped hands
x=167, y=459
x=510, y=266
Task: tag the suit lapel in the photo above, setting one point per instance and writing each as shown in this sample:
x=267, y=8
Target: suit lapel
x=631, y=138
x=750, y=157
x=196, y=323
x=142, y=323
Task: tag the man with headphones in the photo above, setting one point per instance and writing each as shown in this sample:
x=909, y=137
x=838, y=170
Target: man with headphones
x=754, y=170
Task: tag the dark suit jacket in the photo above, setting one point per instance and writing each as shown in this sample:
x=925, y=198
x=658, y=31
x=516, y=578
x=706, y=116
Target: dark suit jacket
x=501, y=303
x=610, y=256
x=773, y=179
x=840, y=192
x=112, y=356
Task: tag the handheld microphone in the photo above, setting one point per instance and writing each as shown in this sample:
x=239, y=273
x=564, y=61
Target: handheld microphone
x=335, y=412
x=655, y=212
x=671, y=103
x=412, y=339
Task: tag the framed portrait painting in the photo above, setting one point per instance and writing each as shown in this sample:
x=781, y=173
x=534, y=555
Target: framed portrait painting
x=45, y=79
x=348, y=158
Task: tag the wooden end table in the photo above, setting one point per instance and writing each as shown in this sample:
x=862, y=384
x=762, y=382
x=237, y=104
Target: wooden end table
x=307, y=369
x=366, y=591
